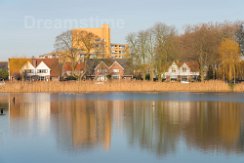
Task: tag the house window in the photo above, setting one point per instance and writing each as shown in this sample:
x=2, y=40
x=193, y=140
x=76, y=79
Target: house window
x=41, y=78
x=102, y=70
x=184, y=69
x=173, y=70
x=42, y=71
x=115, y=76
x=116, y=70
x=29, y=71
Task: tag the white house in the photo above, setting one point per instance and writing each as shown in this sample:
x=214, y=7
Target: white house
x=182, y=71
x=28, y=70
x=173, y=72
x=41, y=71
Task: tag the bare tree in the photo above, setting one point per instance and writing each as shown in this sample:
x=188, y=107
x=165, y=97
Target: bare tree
x=153, y=48
x=133, y=46
x=240, y=38
x=73, y=46
x=66, y=50
x=165, y=46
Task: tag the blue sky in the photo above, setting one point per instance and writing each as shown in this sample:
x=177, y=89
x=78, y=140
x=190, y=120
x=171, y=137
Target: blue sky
x=20, y=34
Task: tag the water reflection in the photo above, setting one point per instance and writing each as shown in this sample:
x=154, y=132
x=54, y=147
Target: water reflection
x=157, y=126
x=81, y=123
x=208, y=126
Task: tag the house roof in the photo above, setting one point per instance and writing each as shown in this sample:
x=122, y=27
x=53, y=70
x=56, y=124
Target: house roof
x=115, y=62
x=42, y=65
x=4, y=65
x=193, y=65
x=125, y=63
x=52, y=63
x=102, y=63
x=27, y=65
x=15, y=65
x=67, y=67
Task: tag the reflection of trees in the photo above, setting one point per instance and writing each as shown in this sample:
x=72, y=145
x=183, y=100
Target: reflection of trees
x=215, y=126
x=148, y=125
x=83, y=123
x=157, y=126
x=4, y=102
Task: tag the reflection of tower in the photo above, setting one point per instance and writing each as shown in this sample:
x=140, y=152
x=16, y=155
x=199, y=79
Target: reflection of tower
x=83, y=123
x=107, y=131
x=104, y=122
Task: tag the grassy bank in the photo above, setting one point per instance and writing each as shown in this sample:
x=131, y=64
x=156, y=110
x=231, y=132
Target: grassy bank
x=118, y=86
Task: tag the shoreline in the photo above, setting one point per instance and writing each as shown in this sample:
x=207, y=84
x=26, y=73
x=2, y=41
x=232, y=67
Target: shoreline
x=119, y=86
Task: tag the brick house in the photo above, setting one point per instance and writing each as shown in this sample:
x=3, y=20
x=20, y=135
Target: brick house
x=116, y=69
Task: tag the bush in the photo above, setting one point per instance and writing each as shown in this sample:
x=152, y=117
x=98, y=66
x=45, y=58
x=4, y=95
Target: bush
x=3, y=74
x=109, y=77
x=148, y=77
x=69, y=78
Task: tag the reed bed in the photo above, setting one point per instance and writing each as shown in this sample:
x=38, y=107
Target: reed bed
x=118, y=86
x=239, y=87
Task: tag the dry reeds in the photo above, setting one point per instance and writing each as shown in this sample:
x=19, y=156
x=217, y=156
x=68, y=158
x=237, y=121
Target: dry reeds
x=118, y=86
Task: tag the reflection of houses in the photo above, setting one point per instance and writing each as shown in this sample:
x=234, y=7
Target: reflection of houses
x=38, y=69
x=4, y=103
x=185, y=71
x=116, y=69
x=32, y=110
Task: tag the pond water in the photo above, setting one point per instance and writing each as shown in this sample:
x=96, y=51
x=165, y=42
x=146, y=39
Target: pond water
x=122, y=127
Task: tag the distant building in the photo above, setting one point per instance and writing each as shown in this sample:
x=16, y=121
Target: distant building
x=104, y=35
x=49, y=56
x=182, y=71
x=119, y=51
x=108, y=49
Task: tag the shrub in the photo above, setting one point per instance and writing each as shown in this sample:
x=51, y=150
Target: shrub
x=3, y=74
